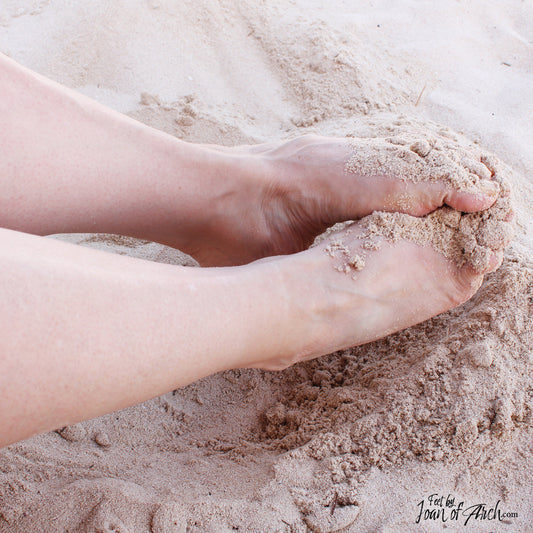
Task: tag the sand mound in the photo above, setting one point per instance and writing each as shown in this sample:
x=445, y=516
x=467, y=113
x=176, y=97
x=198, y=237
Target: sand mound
x=451, y=385
x=453, y=390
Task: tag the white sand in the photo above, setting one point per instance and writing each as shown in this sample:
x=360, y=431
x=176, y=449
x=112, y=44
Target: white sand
x=212, y=457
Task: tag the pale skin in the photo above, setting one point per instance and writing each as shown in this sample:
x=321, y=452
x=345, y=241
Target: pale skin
x=83, y=332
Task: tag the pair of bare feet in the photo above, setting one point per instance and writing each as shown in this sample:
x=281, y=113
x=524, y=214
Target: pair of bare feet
x=254, y=208
x=295, y=190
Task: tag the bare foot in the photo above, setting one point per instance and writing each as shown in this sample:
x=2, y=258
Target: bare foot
x=293, y=191
x=396, y=285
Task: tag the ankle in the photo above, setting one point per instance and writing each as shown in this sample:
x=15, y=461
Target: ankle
x=223, y=215
x=305, y=307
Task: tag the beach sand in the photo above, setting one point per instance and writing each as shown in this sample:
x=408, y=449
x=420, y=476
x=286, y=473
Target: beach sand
x=435, y=418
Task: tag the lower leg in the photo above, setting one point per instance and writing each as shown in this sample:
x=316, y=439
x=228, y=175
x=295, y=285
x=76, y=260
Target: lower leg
x=71, y=165
x=84, y=332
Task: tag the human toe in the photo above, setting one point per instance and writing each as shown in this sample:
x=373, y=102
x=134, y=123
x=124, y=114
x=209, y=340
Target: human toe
x=495, y=234
x=495, y=262
x=482, y=198
x=475, y=166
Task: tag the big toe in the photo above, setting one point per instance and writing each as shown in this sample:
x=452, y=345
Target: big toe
x=482, y=198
